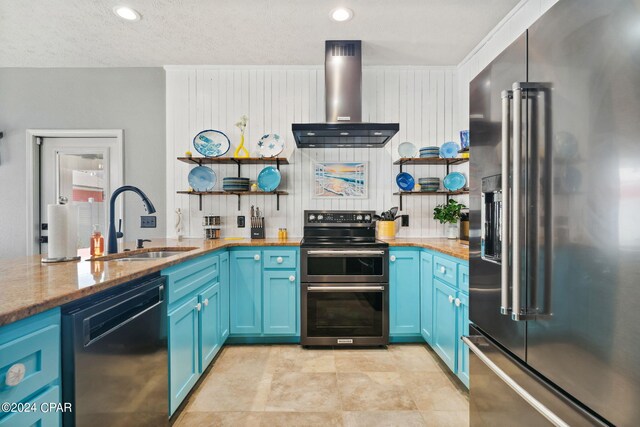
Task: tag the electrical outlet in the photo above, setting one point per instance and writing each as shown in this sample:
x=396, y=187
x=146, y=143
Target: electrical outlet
x=148, y=221
x=240, y=221
x=405, y=220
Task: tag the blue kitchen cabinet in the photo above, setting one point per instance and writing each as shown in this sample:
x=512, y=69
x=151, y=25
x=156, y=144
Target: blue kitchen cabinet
x=209, y=324
x=184, y=348
x=246, y=292
x=444, y=340
x=224, y=296
x=426, y=295
x=404, y=292
x=30, y=368
x=281, y=302
x=462, y=308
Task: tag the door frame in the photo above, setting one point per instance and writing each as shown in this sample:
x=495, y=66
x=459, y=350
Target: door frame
x=34, y=137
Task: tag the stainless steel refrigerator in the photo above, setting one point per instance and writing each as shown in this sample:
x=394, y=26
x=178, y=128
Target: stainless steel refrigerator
x=555, y=238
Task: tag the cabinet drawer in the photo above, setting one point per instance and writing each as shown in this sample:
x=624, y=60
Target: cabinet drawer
x=185, y=278
x=280, y=258
x=445, y=270
x=49, y=417
x=32, y=345
x=463, y=277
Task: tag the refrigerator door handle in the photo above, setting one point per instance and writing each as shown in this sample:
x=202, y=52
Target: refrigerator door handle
x=505, y=220
x=515, y=222
x=524, y=394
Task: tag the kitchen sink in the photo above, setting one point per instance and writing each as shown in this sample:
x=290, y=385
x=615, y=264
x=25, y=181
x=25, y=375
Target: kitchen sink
x=145, y=254
x=149, y=255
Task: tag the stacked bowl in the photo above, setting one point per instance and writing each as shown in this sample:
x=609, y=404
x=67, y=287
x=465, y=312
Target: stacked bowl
x=429, y=184
x=235, y=184
x=431, y=151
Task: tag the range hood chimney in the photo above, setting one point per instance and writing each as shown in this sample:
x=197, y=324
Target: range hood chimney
x=343, y=98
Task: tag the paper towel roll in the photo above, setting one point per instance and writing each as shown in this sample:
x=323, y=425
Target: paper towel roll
x=57, y=237
x=72, y=230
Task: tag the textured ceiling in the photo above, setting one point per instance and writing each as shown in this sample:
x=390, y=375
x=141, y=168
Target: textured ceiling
x=86, y=33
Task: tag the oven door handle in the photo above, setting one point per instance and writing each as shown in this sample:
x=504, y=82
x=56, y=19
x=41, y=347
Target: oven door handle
x=345, y=252
x=345, y=288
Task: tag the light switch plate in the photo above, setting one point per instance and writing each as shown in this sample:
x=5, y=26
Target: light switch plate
x=405, y=220
x=240, y=221
x=148, y=221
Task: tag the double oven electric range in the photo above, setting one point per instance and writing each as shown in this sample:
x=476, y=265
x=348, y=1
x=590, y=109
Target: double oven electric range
x=344, y=279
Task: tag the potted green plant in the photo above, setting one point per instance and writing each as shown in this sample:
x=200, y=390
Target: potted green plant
x=449, y=214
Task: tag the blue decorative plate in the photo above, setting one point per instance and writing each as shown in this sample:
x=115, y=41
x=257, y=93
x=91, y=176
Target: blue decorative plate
x=405, y=181
x=269, y=179
x=270, y=145
x=202, y=178
x=211, y=143
x=449, y=150
x=454, y=181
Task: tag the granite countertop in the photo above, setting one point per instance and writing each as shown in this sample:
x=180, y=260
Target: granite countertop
x=28, y=287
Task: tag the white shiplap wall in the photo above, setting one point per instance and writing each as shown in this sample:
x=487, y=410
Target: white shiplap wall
x=423, y=100
x=525, y=13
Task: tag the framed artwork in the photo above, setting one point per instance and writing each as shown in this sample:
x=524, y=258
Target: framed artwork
x=342, y=180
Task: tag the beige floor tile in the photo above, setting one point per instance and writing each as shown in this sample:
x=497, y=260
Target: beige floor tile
x=244, y=359
x=364, y=361
x=299, y=419
x=297, y=359
x=301, y=391
x=373, y=391
x=414, y=358
x=434, y=391
x=219, y=419
x=225, y=391
x=383, y=419
x=446, y=418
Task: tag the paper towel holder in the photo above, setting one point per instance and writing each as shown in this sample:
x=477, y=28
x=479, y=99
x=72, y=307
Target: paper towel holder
x=62, y=200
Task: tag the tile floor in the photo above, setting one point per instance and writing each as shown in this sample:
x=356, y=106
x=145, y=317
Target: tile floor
x=404, y=385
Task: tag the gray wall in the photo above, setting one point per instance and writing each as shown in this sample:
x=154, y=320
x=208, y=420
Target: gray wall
x=132, y=99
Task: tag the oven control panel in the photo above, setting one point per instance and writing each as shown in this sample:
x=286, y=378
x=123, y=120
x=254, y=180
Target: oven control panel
x=338, y=217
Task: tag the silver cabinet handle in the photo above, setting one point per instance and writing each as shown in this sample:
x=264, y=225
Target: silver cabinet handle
x=256, y=257
x=450, y=299
x=206, y=302
x=458, y=302
x=535, y=403
x=515, y=221
x=345, y=252
x=198, y=307
x=292, y=278
x=279, y=260
x=345, y=288
x=392, y=258
x=506, y=200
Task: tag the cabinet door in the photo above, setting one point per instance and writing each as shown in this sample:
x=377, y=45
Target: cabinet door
x=281, y=302
x=246, y=292
x=39, y=417
x=224, y=297
x=444, y=323
x=183, y=351
x=404, y=292
x=209, y=300
x=462, y=307
x=426, y=296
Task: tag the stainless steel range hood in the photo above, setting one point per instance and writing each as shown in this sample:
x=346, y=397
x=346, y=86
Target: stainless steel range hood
x=343, y=99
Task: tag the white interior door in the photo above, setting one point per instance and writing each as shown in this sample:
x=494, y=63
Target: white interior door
x=82, y=170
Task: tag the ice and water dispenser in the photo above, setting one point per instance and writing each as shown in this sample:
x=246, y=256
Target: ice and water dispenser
x=491, y=214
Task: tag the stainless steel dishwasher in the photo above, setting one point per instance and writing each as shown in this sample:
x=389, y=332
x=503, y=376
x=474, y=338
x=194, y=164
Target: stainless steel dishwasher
x=114, y=357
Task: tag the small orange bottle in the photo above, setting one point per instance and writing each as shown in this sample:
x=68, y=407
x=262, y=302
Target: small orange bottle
x=97, y=242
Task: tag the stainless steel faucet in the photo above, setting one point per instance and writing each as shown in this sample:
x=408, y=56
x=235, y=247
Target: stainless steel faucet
x=113, y=236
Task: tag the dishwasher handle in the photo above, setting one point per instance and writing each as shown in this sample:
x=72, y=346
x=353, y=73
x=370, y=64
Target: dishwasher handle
x=113, y=318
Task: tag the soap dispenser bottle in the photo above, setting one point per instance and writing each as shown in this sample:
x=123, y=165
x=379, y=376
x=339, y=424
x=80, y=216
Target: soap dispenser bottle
x=97, y=242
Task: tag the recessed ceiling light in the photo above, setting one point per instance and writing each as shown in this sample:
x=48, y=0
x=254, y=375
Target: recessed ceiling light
x=341, y=14
x=127, y=13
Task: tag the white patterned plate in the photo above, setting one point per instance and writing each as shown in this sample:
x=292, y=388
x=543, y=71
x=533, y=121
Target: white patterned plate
x=270, y=145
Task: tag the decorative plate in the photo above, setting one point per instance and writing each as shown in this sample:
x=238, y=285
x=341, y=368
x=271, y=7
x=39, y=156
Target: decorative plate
x=405, y=181
x=270, y=145
x=407, y=149
x=269, y=178
x=211, y=143
x=202, y=178
x=449, y=150
x=454, y=181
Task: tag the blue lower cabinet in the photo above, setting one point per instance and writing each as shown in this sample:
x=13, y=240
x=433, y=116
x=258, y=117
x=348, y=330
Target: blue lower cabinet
x=246, y=292
x=426, y=296
x=184, y=347
x=48, y=417
x=444, y=340
x=462, y=308
x=404, y=292
x=209, y=324
x=281, y=302
x=224, y=296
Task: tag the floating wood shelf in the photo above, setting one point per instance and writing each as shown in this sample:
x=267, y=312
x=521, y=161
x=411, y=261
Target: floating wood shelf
x=236, y=193
x=431, y=193
x=235, y=161
x=429, y=161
